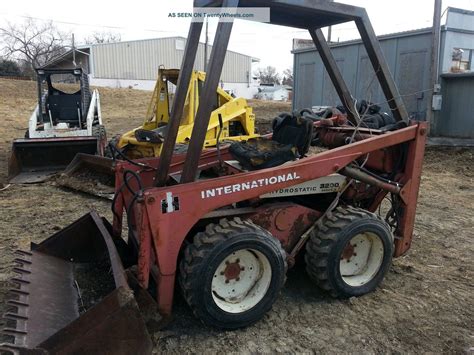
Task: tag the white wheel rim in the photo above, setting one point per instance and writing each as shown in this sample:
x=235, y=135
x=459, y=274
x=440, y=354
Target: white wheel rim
x=361, y=259
x=241, y=280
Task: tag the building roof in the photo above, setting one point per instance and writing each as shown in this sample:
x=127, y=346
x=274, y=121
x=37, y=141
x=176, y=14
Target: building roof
x=269, y=89
x=380, y=38
x=408, y=33
x=67, y=54
x=460, y=11
x=84, y=46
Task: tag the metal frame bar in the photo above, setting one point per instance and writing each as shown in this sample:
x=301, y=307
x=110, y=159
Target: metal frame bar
x=374, y=51
x=385, y=78
x=334, y=73
x=216, y=62
x=184, y=79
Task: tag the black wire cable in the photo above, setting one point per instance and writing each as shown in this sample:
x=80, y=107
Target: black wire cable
x=136, y=194
x=136, y=176
x=114, y=200
x=113, y=148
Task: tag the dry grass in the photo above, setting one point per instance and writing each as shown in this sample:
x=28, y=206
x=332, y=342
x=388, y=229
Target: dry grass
x=122, y=110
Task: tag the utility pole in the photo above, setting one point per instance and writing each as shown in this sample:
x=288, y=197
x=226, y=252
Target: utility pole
x=73, y=52
x=329, y=34
x=433, y=105
x=206, y=44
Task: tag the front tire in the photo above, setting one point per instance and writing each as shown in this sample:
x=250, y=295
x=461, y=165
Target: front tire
x=232, y=273
x=101, y=134
x=349, y=252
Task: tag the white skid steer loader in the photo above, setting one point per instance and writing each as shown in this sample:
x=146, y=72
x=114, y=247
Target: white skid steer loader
x=66, y=121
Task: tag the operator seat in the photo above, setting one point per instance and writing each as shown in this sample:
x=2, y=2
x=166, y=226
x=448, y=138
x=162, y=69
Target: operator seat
x=65, y=108
x=291, y=140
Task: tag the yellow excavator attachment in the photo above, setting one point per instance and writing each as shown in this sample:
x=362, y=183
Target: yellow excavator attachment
x=238, y=124
x=237, y=118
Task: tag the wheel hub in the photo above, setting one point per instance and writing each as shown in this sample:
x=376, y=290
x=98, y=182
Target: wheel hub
x=232, y=271
x=349, y=252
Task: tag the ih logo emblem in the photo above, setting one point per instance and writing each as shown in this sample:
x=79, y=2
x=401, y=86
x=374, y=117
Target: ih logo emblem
x=170, y=204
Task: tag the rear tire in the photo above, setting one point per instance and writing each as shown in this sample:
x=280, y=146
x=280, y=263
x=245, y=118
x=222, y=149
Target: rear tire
x=99, y=131
x=101, y=134
x=349, y=252
x=232, y=273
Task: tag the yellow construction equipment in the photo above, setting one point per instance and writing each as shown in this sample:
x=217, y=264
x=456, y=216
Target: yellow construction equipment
x=231, y=120
x=238, y=120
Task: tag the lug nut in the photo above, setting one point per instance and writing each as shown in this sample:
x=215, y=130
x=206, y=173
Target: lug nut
x=226, y=281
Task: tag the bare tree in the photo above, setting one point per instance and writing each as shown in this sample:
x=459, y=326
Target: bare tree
x=103, y=37
x=268, y=75
x=35, y=43
x=287, y=77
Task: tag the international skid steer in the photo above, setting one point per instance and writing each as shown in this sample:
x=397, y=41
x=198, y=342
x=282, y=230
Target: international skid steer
x=227, y=223
x=66, y=121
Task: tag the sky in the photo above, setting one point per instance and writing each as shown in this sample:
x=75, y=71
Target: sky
x=140, y=19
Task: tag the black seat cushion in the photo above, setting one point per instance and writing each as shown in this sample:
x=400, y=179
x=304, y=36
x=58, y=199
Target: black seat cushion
x=297, y=131
x=291, y=139
x=261, y=153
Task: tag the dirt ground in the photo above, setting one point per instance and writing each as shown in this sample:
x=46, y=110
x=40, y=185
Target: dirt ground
x=425, y=304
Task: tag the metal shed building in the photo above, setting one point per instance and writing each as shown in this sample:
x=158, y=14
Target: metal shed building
x=135, y=64
x=408, y=56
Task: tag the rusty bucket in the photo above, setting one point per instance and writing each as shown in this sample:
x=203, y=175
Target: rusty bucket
x=35, y=160
x=92, y=174
x=72, y=295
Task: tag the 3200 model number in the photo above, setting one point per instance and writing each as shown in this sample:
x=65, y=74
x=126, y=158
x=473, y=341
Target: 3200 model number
x=332, y=185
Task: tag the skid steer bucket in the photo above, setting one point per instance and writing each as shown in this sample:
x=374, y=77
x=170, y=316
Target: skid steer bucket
x=72, y=296
x=92, y=174
x=34, y=160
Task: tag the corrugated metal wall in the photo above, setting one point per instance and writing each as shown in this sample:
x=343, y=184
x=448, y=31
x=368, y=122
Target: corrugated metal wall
x=140, y=60
x=407, y=56
x=456, y=118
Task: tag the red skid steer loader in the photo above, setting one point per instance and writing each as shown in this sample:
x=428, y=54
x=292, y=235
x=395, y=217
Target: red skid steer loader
x=227, y=223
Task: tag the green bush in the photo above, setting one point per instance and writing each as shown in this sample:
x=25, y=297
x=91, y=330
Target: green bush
x=9, y=68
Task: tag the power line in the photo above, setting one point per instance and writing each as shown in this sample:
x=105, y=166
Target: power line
x=85, y=24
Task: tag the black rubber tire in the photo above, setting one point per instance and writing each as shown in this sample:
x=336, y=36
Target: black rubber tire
x=99, y=131
x=327, y=242
x=109, y=153
x=101, y=134
x=208, y=250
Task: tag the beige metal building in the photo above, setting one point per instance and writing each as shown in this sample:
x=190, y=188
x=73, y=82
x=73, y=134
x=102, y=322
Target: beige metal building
x=135, y=64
